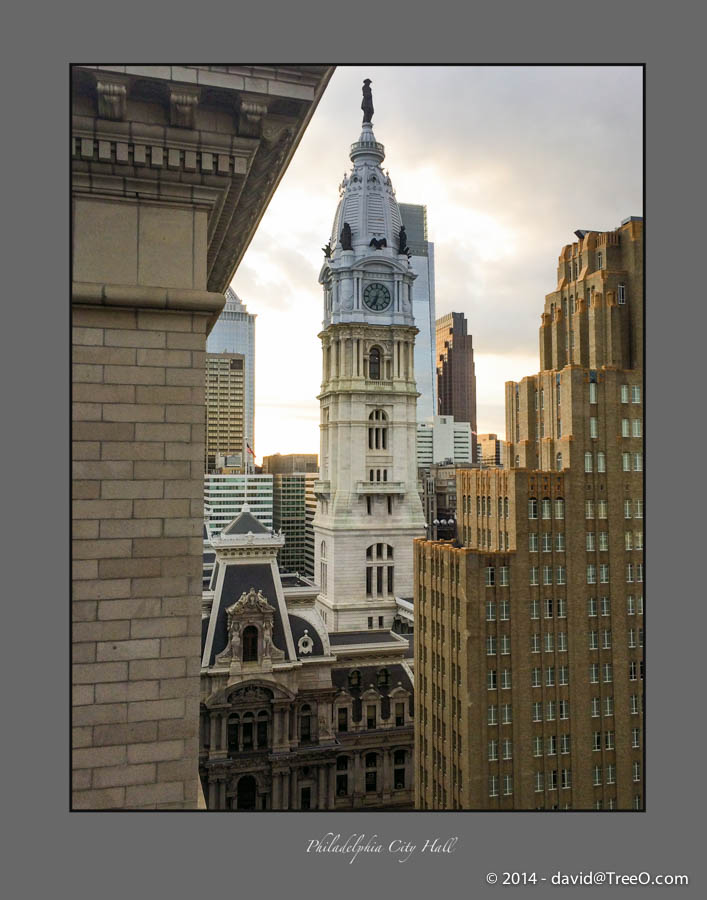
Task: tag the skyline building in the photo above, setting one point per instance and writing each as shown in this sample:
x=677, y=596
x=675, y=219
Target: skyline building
x=442, y=440
x=225, y=411
x=293, y=494
x=225, y=494
x=369, y=508
x=529, y=628
x=288, y=463
x=234, y=332
x=456, y=374
x=422, y=260
x=490, y=449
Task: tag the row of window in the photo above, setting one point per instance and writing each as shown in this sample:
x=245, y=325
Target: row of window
x=560, y=575
x=563, y=676
x=549, y=642
x=552, y=709
x=484, y=507
x=492, y=680
x=546, y=505
x=546, y=542
x=550, y=604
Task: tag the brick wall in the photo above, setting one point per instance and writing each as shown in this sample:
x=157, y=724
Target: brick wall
x=138, y=448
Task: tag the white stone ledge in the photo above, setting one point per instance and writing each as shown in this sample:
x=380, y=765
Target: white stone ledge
x=143, y=297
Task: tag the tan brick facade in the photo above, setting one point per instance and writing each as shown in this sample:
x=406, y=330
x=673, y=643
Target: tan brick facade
x=529, y=659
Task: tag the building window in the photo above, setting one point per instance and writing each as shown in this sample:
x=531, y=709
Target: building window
x=561, y=608
x=491, y=680
x=503, y=576
x=490, y=610
x=535, y=677
x=564, y=675
x=378, y=432
x=547, y=508
x=532, y=508
x=593, y=392
x=507, y=714
x=250, y=644
x=591, y=574
x=562, y=641
x=549, y=642
x=625, y=428
x=627, y=509
x=597, y=776
x=635, y=393
x=493, y=785
x=490, y=576
x=608, y=706
x=371, y=773
x=600, y=260
x=637, y=462
x=492, y=715
x=622, y=294
x=561, y=574
x=504, y=610
x=636, y=428
x=601, y=461
x=539, y=782
x=594, y=670
x=592, y=606
x=505, y=644
x=596, y=707
x=550, y=717
x=535, y=643
x=588, y=509
x=507, y=749
x=533, y=575
x=588, y=462
x=374, y=364
x=537, y=744
x=590, y=541
x=566, y=779
x=506, y=680
x=548, y=607
x=534, y=608
x=635, y=738
x=558, y=462
x=603, y=509
x=593, y=427
x=636, y=771
x=547, y=542
x=508, y=785
x=547, y=574
x=560, y=542
x=624, y=393
x=626, y=462
x=493, y=751
x=491, y=645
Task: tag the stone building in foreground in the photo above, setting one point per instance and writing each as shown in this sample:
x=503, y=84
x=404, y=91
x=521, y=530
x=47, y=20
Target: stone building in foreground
x=294, y=717
x=529, y=629
x=172, y=168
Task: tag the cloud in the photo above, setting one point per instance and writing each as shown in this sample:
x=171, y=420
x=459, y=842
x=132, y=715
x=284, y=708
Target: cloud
x=509, y=161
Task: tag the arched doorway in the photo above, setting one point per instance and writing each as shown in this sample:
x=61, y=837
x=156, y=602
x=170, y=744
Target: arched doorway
x=247, y=793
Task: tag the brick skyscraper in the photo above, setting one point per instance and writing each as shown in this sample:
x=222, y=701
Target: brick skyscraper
x=456, y=376
x=529, y=659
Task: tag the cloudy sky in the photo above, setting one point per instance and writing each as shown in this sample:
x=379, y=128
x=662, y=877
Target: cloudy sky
x=509, y=162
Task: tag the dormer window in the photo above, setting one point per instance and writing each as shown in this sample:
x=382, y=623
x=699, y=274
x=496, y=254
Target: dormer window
x=250, y=644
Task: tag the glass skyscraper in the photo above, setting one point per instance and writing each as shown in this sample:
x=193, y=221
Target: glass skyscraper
x=234, y=332
x=423, y=306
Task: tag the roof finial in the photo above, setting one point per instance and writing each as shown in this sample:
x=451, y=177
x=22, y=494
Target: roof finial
x=367, y=102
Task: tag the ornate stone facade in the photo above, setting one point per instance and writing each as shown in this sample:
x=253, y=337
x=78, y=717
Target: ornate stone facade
x=294, y=717
x=367, y=492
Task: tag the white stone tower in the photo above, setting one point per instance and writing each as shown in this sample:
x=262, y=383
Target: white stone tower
x=368, y=508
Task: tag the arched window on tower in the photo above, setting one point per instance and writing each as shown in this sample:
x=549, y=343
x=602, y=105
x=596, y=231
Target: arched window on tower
x=377, y=430
x=380, y=576
x=374, y=364
x=250, y=644
x=558, y=462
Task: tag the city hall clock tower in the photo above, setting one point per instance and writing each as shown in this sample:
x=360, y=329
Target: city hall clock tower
x=368, y=506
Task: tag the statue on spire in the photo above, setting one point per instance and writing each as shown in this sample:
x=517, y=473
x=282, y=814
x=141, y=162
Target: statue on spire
x=367, y=102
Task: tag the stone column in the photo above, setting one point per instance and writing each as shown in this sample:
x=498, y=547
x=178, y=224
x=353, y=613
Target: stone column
x=331, y=788
x=224, y=732
x=322, y=791
x=222, y=795
x=275, y=790
x=213, y=795
x=285, y=795
x=294, y=786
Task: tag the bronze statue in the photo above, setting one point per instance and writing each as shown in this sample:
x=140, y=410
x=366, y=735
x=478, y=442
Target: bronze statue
x=346, y=237
x=403, y=242
x=367, y=102
x=378, y=243
x=327, y=250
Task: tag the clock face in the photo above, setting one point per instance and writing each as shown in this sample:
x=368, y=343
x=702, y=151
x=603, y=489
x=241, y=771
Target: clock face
x=376, y=297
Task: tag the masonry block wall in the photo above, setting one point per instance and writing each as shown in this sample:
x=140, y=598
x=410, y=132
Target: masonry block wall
x=138, y=445
x=172, y=168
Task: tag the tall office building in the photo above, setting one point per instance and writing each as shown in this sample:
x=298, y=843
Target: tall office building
x=288, y=463
x=490, y=449
x=369, y=508
x=422, y=260
x=440, y=439
x=291, y=494
x=456, y=375
x=234, y=332
x=529, y=632
x=225, y=494
x=225, y=410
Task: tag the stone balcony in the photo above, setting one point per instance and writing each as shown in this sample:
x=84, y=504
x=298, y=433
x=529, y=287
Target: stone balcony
x=380, y=487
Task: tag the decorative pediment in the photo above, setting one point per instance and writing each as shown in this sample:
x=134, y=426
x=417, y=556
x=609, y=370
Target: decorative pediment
x=250, y=601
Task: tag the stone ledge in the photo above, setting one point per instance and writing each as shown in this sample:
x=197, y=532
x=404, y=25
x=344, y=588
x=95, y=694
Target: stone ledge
x=143, y=297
